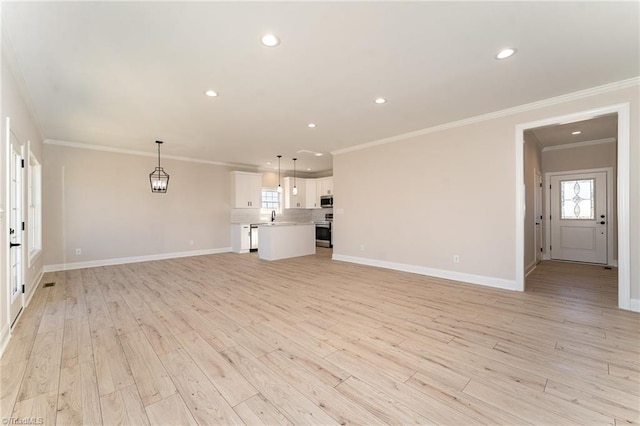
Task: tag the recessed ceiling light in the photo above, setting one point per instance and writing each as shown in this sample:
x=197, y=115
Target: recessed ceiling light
x=308, y=170
x=505, y=53
x=270, y=40
x=577, y=132
x=311, y=125
x=380, y=100
x=318, y=154
x=268, y=163
x=211, y=93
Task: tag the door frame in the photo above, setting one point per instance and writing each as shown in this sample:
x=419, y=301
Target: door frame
x=623, y=193
x=547, y=210
x=538, y=201
x=7, y=273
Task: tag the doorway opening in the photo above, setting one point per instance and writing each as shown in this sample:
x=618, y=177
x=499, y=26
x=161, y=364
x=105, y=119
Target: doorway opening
x=562, y=138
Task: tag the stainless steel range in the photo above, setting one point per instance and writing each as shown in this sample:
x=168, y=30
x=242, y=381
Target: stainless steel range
x=323, y=231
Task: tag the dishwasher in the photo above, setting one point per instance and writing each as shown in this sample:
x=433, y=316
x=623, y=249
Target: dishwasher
x=253, y=237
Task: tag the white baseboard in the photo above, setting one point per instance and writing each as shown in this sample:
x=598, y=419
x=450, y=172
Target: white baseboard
x=5, y=335
x=135, y=259
x=439, y=273
x=34, y=286
x=613, y=263
x=530, y=268
x=634, y=305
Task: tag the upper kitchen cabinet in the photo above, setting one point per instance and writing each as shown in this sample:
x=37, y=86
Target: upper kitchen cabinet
x=324, y=186
x=298, y=201
x=313, y=200
x=246, y=190
x=309, y=192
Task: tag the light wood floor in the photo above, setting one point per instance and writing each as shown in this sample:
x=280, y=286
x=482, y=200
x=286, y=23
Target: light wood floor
x=230, y=339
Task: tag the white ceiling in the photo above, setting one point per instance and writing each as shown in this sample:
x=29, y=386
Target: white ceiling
x=595, y=129
x=126, y=74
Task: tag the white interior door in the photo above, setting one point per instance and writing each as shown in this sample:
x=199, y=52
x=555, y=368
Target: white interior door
x=538, y=216
x=16, y=272
x=579, y=217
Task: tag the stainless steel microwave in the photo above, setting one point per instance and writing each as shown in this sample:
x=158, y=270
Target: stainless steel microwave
x=326, y=201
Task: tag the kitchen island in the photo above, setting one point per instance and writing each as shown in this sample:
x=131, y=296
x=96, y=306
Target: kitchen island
x=282, y=240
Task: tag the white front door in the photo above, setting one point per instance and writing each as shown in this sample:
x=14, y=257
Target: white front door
x=16, y=299
x=579, y=217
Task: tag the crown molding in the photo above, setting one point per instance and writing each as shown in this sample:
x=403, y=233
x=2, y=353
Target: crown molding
x=141, y=153
x=606, y=88
x=578, y=144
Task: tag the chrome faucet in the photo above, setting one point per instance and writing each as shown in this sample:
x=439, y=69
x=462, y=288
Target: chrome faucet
x=273, y=216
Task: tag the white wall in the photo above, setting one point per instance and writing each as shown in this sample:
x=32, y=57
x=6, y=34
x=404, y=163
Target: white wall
x=101, y=203
x=417, y=201
x=24, y=127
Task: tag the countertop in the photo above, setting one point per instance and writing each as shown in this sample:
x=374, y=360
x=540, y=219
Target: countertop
x=283, y=223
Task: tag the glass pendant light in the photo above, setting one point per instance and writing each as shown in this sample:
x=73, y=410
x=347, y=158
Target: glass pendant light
x=159, y=178
x=295, y=188
x=279, y=186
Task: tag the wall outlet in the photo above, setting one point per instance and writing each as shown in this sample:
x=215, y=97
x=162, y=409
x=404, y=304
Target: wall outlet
x=78, y=252
x=456, y=258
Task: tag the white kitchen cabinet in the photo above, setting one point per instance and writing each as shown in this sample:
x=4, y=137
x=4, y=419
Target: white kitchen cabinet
x=309, y=192
x=240, y=238
x=246, y=190
x=298, y=201
x=324, y=186
x=312, y=201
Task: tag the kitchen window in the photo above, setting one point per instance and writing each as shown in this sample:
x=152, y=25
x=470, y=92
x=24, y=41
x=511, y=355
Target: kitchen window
x=270, y=200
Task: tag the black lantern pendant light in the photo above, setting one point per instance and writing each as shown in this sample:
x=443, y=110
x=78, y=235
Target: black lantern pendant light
x=295, y=188
x=279, y=187
x=159, y=178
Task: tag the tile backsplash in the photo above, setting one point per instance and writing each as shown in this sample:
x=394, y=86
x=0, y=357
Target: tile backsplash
x=288, y=215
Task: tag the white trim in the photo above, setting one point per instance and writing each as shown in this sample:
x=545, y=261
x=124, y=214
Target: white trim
x=135, y=259
x=34, y=286
x=431, y=272
x=613, y=263
x=578, y=144
x=624, y=212
x=623, y=182
x=498, y=114
x=547, y=209
x=531, y=267
x=5, y=336
x=103, y=148
x=6, y=149
x=634, y=305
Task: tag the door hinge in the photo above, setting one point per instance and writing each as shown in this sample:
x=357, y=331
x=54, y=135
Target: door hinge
x=540, y=249
x=540, y=184
x=23, y=288
x=549, y=186
x=22, y=163
x=550, y=247
x=23, y=226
